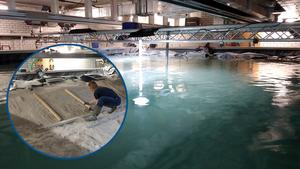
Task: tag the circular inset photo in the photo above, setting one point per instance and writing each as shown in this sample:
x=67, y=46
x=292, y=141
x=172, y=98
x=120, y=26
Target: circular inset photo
x=67, y=101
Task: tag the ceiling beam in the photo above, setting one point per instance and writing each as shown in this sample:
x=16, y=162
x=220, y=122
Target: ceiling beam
x=217, y=8
x=48, y=17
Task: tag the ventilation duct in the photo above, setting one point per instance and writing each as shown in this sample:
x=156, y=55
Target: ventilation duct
x=141, y=7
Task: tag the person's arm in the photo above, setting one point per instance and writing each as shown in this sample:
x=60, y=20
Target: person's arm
x=95, y=100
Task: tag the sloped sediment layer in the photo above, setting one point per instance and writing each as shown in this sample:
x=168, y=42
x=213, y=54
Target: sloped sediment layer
x=77, y=138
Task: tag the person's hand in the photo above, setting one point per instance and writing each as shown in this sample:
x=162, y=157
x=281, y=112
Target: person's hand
x=88, y=108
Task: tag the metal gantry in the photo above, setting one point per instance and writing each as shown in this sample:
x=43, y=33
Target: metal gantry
x=262, y=32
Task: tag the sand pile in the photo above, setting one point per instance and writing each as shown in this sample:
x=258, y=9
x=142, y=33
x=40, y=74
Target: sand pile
x=91, y=135
x=79, y=137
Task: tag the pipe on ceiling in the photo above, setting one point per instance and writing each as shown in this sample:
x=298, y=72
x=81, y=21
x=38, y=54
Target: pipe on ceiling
x=218, y=8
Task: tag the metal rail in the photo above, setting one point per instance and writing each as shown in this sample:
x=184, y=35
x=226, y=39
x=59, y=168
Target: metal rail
x=218, y=8
x=49, y=17
x=263, y=32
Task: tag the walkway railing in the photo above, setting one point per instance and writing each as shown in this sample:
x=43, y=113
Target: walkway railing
x=263, y=32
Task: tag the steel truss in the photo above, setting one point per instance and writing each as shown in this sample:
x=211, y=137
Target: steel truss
x=263, y=32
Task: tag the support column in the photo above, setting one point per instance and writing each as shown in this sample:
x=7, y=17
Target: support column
x=54, y=6
x=114, y=10
x=151, y=19
x=88, y=8
x=155, y=6
x=135, y=18
x=11, y=4
x=165, y=21
x=249, y=5
x=176, y=21
x=21, y=43
x=275, y=17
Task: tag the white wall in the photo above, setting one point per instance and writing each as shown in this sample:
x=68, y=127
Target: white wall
x=73, y=64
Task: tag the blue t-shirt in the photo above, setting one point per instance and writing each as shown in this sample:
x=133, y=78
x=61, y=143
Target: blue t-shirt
x=104, y=91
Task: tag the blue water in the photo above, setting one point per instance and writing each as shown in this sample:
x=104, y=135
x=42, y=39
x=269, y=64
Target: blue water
x=201, y=114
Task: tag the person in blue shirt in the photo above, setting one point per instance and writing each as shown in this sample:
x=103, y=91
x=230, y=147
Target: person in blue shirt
x=105, y=97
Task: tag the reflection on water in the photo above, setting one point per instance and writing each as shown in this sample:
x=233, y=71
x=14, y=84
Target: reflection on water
x=280, y=79
x=141, y=100
x=283, y=81
x=200, y=114
x=249, y=105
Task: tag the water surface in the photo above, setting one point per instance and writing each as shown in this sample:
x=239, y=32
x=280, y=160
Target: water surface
x=200, y=114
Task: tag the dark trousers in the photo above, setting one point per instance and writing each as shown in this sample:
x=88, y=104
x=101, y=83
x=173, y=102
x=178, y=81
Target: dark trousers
x=108, y=101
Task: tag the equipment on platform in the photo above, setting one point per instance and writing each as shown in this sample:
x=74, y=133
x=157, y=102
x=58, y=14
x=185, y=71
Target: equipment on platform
x=131, y=25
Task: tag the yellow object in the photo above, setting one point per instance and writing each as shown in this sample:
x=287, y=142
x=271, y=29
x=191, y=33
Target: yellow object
x=57, y=116
x=76, y=98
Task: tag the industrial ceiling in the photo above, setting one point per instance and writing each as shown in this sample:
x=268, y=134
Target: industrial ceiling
x=241, y=10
